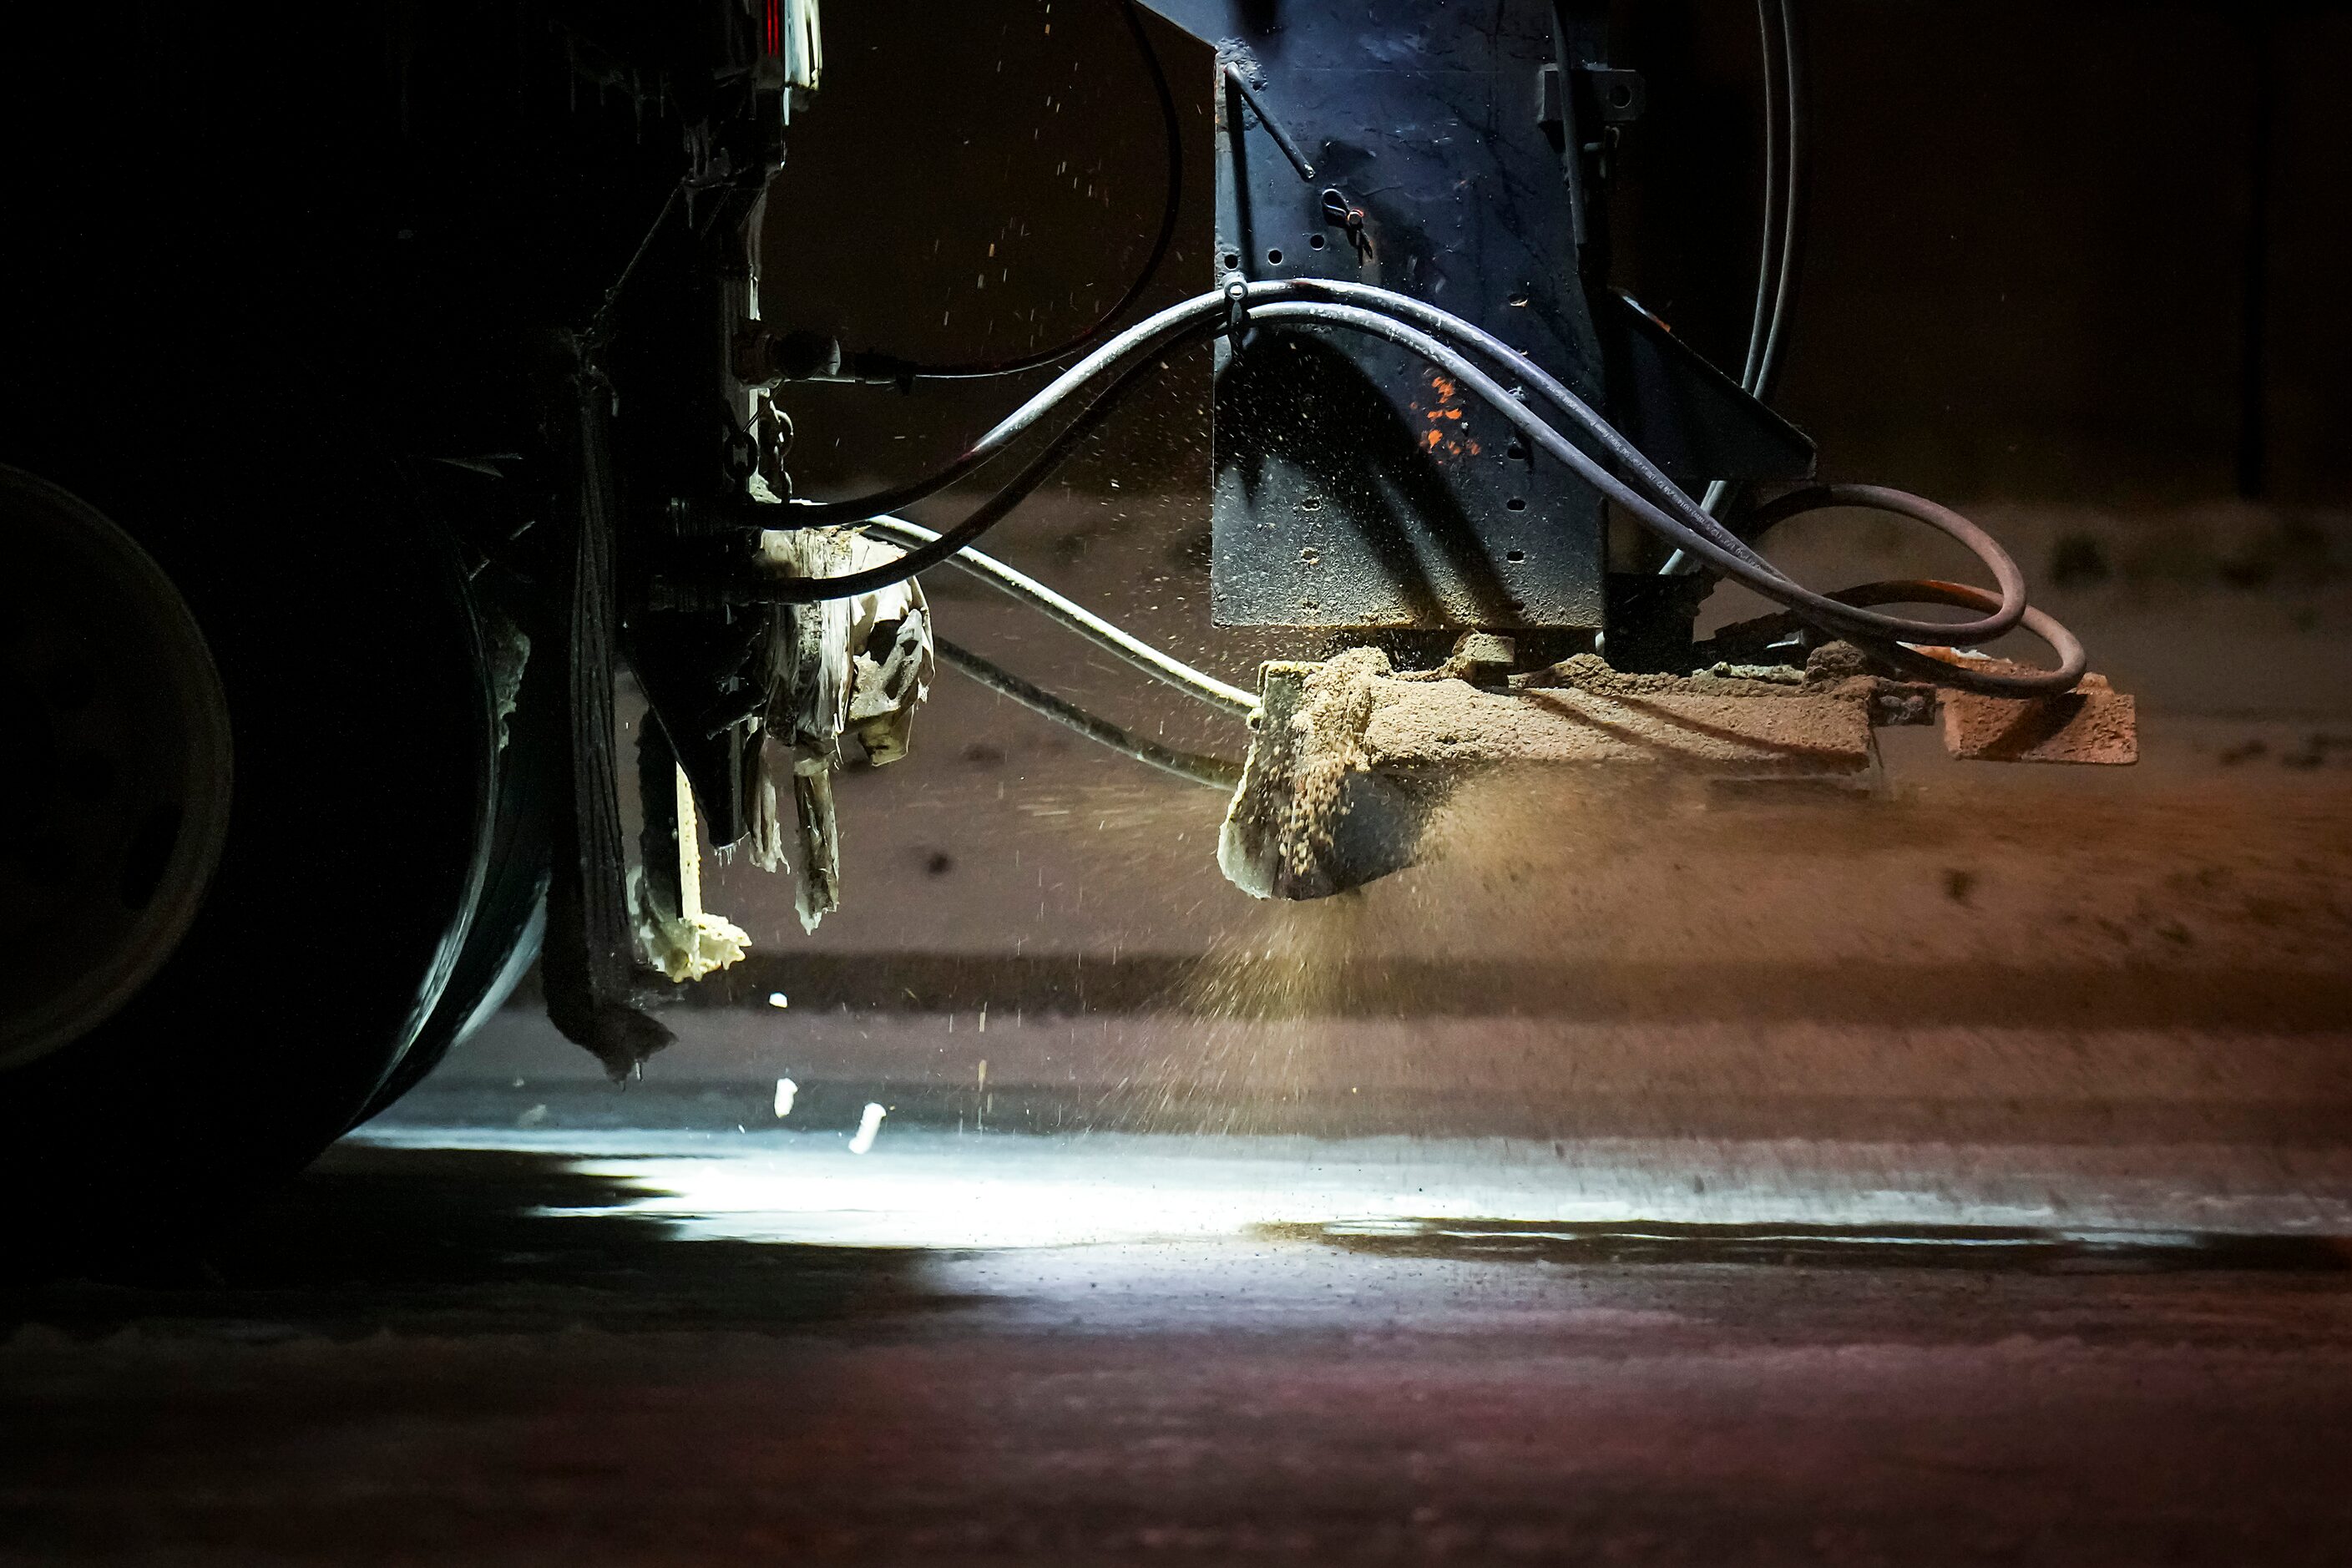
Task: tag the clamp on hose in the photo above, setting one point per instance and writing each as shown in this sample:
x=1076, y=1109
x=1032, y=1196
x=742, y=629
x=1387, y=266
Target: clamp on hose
x=1236, y=291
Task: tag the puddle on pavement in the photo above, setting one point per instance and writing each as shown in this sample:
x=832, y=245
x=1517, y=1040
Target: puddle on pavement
x=1957, y=1246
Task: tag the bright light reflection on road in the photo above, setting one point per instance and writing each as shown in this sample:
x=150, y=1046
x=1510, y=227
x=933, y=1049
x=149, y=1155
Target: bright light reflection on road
x=936, y=1189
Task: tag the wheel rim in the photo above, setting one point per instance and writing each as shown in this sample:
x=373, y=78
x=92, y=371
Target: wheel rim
x=112, y=820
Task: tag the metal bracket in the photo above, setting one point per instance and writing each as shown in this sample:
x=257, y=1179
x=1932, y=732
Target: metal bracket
x=1619, y=96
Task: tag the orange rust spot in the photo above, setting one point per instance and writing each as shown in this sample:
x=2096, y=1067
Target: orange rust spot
x=1473, y=448
x=1445, y=387
x=1453, y=413
x=1433, y=439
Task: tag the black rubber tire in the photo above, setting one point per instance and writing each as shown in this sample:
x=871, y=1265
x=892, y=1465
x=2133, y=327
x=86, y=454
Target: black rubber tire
x=502, y=939
x=359, y=833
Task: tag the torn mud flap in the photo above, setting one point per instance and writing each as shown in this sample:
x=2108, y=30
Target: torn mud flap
x=858, y=667
x=586, y=962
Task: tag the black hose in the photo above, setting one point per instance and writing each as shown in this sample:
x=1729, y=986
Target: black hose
x=1171, y=209
x=1695, y=530
x=1214, y=771
x=987, y=515
x=1157, y=662
x=1760, y=326
x=1776, y=260
x=2007, y=610
x=1658, y=503
x=1156, y=333
x=2072, y=660
x=1768, y=370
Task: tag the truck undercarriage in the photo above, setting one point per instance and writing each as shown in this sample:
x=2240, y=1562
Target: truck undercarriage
x=462, y=396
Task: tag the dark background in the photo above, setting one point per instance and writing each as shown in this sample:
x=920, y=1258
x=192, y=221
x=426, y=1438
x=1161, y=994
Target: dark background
x=2083, y=252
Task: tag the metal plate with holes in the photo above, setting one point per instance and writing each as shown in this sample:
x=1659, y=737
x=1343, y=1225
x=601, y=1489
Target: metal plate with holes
x=1354, y=487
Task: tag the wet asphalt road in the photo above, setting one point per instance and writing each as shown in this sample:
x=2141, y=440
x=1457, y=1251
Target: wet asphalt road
x=539, y=1356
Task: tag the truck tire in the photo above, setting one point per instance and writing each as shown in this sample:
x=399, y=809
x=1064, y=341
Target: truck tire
x=251, y=817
